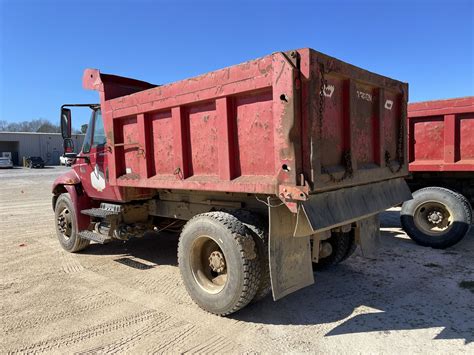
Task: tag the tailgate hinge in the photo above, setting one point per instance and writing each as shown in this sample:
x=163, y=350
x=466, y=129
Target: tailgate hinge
x=291, y=194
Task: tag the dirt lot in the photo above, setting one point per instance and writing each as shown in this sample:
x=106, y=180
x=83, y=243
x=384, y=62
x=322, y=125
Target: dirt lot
x=129, y=297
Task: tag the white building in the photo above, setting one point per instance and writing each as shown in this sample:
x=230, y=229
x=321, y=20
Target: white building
x=48, y=146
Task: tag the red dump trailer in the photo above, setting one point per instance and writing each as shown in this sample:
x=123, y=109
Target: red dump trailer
x=441, y=162
x=266, y=168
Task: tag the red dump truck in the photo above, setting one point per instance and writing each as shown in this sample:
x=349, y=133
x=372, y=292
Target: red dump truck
x=441, y=162
x=266, y=168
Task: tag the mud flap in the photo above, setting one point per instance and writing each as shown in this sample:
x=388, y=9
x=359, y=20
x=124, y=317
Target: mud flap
x=290, y=255
x=367, y=235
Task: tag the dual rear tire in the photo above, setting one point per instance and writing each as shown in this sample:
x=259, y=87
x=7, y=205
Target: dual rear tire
x=219, y=262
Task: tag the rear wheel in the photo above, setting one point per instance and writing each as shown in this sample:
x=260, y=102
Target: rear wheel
x=256, y=225
x=66, y=228
x=436, y=217
x=218, y=262
x=336, y=249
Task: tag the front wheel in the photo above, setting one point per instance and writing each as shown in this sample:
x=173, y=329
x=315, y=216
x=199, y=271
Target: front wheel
x=436, y=217
x=66, y=229
x=219, y=263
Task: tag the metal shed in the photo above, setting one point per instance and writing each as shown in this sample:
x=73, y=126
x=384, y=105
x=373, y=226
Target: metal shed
x=48, y=146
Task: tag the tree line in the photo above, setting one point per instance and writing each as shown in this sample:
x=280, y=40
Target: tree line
x=39, y=125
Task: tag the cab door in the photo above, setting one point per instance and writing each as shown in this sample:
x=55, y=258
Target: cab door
x=94, y=173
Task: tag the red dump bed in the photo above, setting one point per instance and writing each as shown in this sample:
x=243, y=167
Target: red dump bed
x=297, y=118
x=441, y=135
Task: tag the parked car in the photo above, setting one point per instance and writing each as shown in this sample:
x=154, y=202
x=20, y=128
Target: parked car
x=63, y=160
x=6, y=162
x=34, y=162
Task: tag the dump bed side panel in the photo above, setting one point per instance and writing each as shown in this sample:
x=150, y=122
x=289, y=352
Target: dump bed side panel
x=441, y=135
x=355, y=119
x=231, y=130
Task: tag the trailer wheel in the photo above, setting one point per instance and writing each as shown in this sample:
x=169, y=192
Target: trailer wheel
x=340, y=246
x=256, y=225
x=218, y=262
x=66, y=230
x=436, y=217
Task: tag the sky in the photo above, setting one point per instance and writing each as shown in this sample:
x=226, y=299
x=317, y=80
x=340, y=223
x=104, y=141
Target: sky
x=46, y=45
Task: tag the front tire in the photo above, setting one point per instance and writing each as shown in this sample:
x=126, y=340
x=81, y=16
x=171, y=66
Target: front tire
x=66, y=229
x=218, y=262
x=436, y=217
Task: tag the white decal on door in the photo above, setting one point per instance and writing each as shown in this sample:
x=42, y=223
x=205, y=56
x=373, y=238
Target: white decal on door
x=98, y=179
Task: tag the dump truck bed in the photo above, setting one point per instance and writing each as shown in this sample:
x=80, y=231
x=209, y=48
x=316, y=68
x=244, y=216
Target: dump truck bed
x=289, y=123
x=441, y=135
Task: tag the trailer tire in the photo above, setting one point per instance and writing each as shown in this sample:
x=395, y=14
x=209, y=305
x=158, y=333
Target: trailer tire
x=66, y=229
x=343, y=246
x=219, y=263
x=256, y=225
x=436, y=206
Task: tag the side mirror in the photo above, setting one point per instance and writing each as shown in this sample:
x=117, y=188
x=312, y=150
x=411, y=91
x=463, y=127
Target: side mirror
x=68, y=145
x=65, y=122
x=70, y=155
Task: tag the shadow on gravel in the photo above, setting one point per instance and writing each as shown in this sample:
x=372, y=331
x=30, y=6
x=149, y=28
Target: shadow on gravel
x=406, y=288
x=157, y=249
x=396, y=292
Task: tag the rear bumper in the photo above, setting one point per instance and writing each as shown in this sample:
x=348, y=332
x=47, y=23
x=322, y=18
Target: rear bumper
x=335, y=208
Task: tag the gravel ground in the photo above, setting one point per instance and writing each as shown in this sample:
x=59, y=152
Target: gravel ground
x=129, y=298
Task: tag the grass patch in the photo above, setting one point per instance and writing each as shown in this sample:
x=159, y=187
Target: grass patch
x=467, y=285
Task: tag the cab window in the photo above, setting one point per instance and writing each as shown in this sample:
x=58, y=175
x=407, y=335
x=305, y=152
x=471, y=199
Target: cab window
x=86, y=146
x=99, y=139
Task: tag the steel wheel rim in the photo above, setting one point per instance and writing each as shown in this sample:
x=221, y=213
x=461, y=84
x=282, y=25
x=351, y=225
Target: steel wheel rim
x=64, y=223
x=433, y=218
x=208, y=264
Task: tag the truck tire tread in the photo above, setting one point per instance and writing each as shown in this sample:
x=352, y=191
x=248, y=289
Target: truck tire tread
x=256, y=225
x=343, y=246
x=76, y=243
x=451, y=237
x=250, y=263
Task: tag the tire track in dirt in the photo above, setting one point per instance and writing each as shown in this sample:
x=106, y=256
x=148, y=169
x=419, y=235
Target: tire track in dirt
x=175, y=340
x=76, y=337
x=219, y=326
x=124, y=344
x=170, y=285
x=214, y=345
x=69, y=262
x=103, y=301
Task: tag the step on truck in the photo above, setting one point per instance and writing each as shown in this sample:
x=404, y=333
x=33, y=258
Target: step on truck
x=268, y=169
x=441, y=163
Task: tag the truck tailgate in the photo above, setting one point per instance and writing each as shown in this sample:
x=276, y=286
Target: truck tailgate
x=355, y=123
